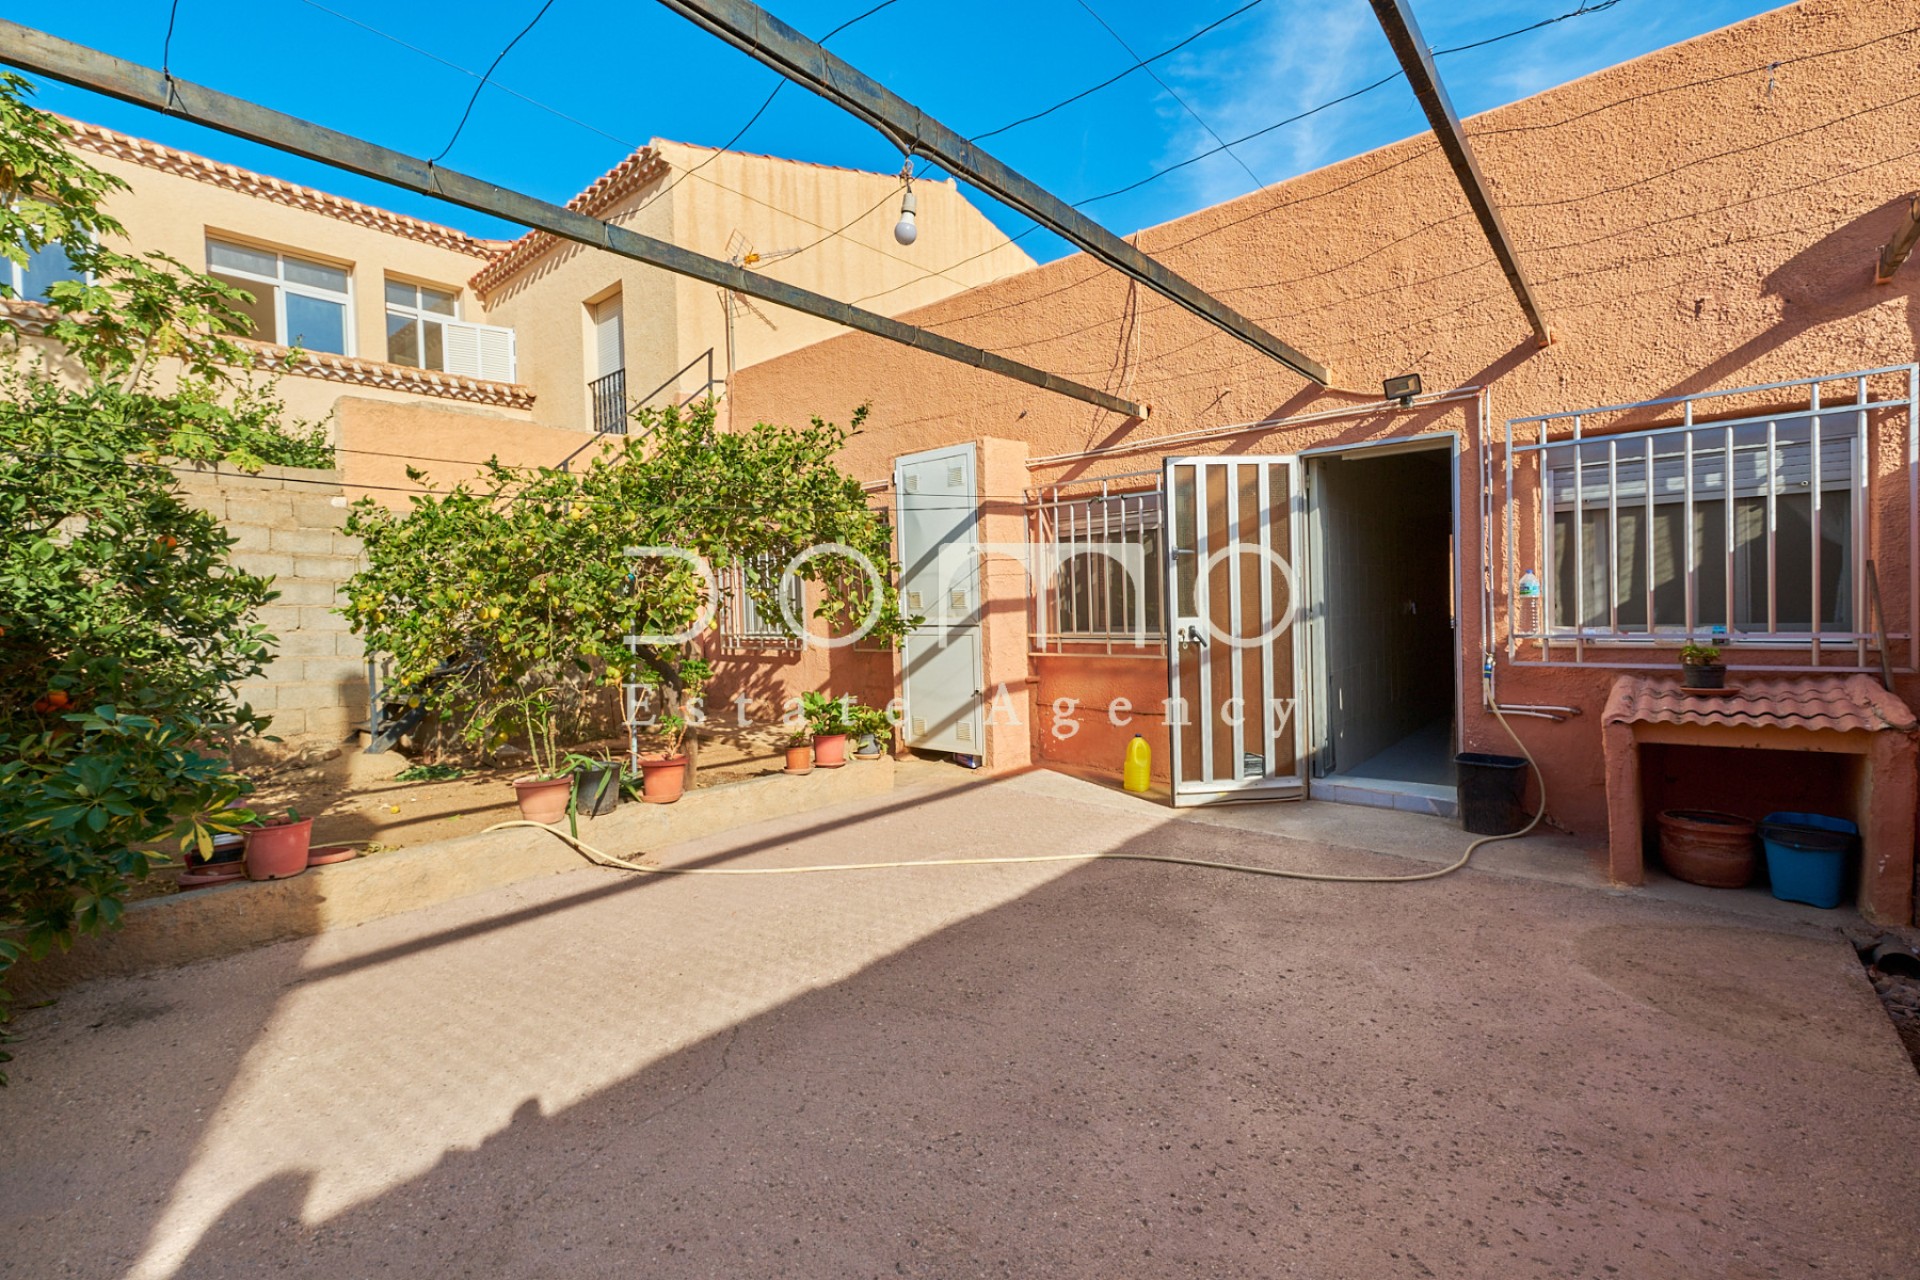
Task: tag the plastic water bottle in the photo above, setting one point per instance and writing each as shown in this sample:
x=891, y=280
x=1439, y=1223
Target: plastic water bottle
x=1135, y=775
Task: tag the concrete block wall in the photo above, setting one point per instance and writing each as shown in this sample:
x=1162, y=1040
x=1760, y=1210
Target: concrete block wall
x=289, y=523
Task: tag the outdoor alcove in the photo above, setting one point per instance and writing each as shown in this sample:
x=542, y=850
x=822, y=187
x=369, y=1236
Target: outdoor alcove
x=1749, y=782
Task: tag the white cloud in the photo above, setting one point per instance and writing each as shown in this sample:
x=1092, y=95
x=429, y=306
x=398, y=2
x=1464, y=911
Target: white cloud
x=1286, y=58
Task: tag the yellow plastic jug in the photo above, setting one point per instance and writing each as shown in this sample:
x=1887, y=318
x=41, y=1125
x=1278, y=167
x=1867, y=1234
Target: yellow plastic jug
x=1139, y=766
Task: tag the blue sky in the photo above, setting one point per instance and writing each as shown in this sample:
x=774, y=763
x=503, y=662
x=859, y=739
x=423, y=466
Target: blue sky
x=628, y=72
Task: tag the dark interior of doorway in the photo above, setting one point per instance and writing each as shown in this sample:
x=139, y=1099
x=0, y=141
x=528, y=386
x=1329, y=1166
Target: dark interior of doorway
x=1386, y=525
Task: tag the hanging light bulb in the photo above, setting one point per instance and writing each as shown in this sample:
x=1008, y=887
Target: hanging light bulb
x=905, y=230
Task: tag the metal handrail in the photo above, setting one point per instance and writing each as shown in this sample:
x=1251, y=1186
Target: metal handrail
x=600, y=431
x=674, y=377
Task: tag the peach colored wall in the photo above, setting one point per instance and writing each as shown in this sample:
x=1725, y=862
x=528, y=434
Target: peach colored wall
x=1693, y=220
x=699, y=202
x=779, y=205
x=175, y=214
x=547, y=302
x=379, y=439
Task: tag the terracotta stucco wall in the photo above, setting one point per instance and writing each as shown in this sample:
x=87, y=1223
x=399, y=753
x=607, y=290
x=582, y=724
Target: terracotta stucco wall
x=1700, y=218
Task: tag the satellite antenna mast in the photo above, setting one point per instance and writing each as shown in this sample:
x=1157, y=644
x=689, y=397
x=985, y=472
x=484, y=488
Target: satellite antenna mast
x=742, y=254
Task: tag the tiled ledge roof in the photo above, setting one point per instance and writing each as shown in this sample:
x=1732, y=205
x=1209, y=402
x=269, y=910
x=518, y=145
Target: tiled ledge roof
x=32, y=318
x=1843, y=703
x=185, y=164
x=397, y=377
x=638, y=169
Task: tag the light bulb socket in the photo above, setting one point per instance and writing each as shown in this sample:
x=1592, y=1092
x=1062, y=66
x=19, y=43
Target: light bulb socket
x=907, y=230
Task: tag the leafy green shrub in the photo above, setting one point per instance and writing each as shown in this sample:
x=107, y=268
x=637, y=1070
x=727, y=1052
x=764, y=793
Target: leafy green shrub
x=123, y=629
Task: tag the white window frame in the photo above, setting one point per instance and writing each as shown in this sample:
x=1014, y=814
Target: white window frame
x=282, y=287
x=1567, y=466
x=16, y=274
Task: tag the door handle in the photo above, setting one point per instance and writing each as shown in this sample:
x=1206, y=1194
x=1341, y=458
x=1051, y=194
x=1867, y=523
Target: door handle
x=1194, y=634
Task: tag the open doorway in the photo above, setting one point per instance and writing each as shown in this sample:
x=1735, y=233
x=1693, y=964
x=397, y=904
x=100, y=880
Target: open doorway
x=1385, y=650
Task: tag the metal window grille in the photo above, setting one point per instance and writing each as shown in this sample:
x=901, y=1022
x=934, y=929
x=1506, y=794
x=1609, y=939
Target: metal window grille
x=1098, y=565
x=747, y=622
x=1757, y=528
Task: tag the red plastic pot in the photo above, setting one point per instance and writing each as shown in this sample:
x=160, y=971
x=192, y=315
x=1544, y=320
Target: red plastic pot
x=800, y=759
x=280, y=850
x=663, y=779
x=830, y=750
x=543, y=800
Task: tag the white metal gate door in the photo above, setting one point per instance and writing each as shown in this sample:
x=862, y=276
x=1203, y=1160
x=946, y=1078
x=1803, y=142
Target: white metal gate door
x=1233, y=656
x=939, y=522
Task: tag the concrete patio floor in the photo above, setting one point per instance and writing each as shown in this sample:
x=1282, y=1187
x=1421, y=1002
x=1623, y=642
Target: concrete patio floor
x=1114, y=1069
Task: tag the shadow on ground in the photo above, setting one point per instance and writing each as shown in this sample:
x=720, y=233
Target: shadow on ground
x=1119, y=1069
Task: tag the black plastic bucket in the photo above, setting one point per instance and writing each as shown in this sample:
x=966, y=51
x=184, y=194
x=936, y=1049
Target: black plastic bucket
x=596, y=789
x=1490, y=791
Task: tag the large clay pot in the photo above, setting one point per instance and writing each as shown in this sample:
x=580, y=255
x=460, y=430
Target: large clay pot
x=663, y=779
x=800, y=759
x=1707, y=848
x=280, y=850
x=829, y=750
x=543, y=800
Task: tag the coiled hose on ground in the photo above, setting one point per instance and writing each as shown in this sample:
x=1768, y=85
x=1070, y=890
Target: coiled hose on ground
x=608, y=860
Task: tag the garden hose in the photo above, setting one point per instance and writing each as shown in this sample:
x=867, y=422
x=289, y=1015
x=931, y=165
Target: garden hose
x=608, y=860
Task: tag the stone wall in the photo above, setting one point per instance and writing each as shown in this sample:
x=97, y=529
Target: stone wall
x=288, y=522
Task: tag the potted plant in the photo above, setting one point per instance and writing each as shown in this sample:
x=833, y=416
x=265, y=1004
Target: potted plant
x=663, y=773
x=800, y=749
x=544, y=794
x=1701, y=668
x=873, y=732
x=596, y=784
x=828, y=719
x=276, y=850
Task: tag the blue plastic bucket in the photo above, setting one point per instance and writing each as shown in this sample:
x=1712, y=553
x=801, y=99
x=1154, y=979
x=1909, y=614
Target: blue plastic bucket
x=1808, y=855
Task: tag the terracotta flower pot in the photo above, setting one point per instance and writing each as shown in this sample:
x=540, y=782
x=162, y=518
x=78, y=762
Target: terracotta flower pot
x=543, y=800
x=830, y=750
x=327, y=854
x=1707, y=848
x=280, y=850
x=663, y=779
x=800, y=759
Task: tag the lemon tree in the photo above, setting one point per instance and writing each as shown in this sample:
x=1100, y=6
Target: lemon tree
x=505, y=603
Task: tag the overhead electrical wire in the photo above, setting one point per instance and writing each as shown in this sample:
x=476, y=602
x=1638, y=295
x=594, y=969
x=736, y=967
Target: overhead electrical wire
x=1139, y=64
x=1117, y=77
x=1121, y=41
x=627, y=143
x=762, y=110
x=492, y=67
x=1582, y=11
